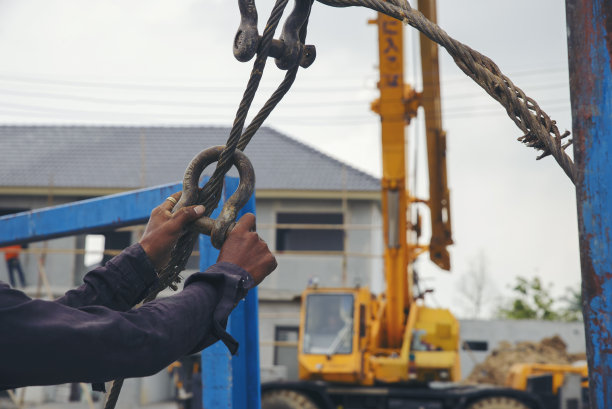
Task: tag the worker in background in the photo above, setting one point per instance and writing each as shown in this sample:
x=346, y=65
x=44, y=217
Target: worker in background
x=11, y=255
x=92, y=334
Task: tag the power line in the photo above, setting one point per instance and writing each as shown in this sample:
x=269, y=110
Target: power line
x=8, y=77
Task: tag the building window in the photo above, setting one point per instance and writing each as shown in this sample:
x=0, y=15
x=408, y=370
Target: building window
x=285, y=350
x=294, y=233
x=475, y=346
x=94, y=249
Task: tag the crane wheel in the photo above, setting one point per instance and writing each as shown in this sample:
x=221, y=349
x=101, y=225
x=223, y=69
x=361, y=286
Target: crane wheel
x=498, y=402
x=286, y=399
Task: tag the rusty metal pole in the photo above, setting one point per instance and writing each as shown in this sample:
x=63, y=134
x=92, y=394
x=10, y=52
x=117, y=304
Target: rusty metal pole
x=589, y=27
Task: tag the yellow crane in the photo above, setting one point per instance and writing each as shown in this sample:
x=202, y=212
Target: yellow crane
x=358, y=350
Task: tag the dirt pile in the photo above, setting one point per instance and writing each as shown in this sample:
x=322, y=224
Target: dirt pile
x=496, y=366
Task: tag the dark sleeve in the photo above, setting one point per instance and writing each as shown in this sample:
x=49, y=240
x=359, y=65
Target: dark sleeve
x=119, y=285
x=47, y=342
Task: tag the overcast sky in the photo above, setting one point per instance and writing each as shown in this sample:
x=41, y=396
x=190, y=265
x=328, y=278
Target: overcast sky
x=170, y=62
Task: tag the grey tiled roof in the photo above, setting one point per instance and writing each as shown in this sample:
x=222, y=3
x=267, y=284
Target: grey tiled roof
x=130, y=157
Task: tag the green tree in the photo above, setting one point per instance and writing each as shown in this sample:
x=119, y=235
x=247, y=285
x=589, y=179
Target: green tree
x=533, y=300
x=476, y=291
x=572, y=304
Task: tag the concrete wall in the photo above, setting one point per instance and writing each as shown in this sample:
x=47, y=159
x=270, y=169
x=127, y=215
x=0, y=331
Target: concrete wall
x=363, y=246
x=273, y=314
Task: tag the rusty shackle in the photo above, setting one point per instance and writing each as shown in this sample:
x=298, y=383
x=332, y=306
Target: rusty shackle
x=289, y=50
x=217, y=228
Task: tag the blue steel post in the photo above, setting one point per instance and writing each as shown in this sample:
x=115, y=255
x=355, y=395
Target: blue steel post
x=216, y=359
x=232, y=382
x=589, y=27
x=244, y=326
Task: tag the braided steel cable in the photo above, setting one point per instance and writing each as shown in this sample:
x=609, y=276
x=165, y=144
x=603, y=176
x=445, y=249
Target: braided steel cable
x=210, y=194
x=540, y=131
x=268, y=107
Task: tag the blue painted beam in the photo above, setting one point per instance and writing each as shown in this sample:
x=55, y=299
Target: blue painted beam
x=590, y=65
x=102, y=213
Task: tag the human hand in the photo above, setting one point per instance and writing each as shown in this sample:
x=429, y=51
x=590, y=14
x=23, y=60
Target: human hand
x=246, y=249
x=164, y=229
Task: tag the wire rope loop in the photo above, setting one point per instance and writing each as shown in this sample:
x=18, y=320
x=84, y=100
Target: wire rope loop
x=217, y=228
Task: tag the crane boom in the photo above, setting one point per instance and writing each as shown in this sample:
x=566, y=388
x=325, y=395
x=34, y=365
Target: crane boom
x=394, y=194
x=439, y=202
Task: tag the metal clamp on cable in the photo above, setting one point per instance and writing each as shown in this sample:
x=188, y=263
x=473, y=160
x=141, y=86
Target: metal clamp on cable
x=289, y=50
x=217, y=228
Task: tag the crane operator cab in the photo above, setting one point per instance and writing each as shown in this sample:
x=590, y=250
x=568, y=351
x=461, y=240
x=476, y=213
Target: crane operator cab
x=329, y=324
x=333, y=339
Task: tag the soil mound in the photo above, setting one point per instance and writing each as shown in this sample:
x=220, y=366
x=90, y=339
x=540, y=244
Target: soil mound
x=495, y=367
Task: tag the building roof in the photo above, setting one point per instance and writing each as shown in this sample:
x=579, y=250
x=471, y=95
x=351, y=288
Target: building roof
x=131, y=157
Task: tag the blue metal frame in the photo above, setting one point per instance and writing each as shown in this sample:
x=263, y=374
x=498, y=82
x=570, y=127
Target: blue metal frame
x=108, y=212
x=228, y=381
x=590, y=65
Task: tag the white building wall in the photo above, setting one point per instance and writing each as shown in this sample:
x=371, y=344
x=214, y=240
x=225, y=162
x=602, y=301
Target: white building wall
x=273, y=314
x=355, y=267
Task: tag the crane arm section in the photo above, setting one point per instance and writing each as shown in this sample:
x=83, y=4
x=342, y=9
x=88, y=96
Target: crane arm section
x=439, y=195
x=392, y=112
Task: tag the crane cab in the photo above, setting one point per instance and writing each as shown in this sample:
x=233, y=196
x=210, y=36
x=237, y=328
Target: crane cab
x=334, y=334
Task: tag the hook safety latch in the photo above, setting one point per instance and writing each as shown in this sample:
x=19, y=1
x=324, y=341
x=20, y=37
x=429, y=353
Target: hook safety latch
x=289, y=50
x=217, y=228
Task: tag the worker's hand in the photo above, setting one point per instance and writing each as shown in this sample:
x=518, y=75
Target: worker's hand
x=246, y=249
x=164, y=229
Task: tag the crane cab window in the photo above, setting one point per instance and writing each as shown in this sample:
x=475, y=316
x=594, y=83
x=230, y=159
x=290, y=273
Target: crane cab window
x=295, y=234
x=329, y=324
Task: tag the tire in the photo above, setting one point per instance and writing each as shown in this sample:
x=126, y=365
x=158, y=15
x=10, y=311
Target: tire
x=286, y=399
x=498, y=402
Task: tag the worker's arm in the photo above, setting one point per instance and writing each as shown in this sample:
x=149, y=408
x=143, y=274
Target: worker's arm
x=49, y=342
x=119, y=285
x=45, y=342
x=125, y=279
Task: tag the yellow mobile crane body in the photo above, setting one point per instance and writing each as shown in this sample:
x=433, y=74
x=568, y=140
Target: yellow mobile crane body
x=358, y=350
x=398, y=339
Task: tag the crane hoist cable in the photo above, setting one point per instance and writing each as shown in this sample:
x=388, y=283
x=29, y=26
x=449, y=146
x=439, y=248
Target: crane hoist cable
x=290, y=53
x=540, y=131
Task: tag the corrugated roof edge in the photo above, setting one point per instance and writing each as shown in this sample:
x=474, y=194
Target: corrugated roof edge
x=318, y=152
x=272, y=130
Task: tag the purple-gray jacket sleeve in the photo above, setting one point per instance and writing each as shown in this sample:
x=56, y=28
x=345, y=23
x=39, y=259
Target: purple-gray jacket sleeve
x=70, y=340
x=119, y=285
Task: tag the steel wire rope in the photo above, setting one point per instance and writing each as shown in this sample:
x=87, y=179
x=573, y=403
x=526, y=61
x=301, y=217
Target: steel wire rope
x=540, y=131
x=210, y=194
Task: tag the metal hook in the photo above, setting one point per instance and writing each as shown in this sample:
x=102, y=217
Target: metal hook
x=217, y=228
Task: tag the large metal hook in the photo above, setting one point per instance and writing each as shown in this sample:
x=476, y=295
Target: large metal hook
x=289, y=50
x=217, y=228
